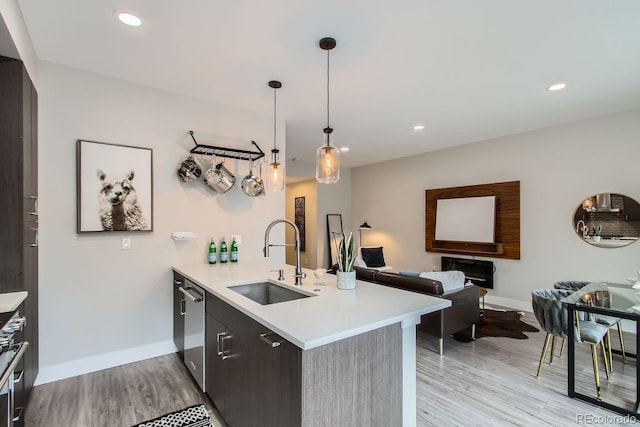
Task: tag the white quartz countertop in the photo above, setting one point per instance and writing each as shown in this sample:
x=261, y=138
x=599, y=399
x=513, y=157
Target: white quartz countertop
x=11, y=300
x=331, y=315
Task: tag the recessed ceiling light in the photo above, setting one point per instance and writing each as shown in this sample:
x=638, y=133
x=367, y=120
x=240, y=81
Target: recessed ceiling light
x=557, y=86
x=344, y=149
x=418, y=127
x=128, y=17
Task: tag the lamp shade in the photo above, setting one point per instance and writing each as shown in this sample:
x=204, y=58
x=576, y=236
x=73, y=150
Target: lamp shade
x=327, y=162
x=275, y=175
x=365, y=226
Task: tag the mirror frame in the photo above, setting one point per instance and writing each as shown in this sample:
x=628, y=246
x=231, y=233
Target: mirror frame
x=334, y=228
x=607, y=220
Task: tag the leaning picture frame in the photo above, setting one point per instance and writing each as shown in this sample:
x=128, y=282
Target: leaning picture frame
x=114, y=185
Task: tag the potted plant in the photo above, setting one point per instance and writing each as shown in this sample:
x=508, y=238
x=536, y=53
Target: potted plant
x=346, y=258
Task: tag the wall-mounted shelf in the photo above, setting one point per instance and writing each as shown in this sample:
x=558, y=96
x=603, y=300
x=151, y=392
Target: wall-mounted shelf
x=233, y=153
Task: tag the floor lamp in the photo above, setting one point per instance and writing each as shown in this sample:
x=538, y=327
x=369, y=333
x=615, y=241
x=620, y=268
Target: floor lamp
x=364, y=226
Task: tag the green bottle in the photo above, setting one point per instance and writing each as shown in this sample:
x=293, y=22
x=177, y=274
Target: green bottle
x=213, y=256
x=234, y=251
x=223, y=251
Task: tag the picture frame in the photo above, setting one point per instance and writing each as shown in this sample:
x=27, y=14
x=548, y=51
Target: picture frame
x=299, y=219
x=114, y=185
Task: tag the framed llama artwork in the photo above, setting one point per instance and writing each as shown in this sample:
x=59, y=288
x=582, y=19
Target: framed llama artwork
x=114, y=187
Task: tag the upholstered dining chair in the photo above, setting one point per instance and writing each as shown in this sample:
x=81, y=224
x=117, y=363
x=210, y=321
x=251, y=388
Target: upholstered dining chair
x=553, y=318
x=607, y=321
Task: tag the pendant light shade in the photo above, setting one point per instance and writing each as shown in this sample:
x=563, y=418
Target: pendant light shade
x=275, y=171
x=327, y=156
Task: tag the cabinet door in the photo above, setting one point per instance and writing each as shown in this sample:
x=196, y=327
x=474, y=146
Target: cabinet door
x=217, y=377
x=276, y=372
x=178, y=313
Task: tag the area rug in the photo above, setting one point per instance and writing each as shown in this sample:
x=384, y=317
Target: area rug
x=193, y=416
x=494, y=323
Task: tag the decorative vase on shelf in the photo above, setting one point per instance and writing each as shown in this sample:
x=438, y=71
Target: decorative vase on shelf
x=346, y=275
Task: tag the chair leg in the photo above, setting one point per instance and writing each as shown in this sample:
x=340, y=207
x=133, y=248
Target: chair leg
x=596, y=373
x=624, y=355
x=610, y=352
x=553, y=349
x=563, y=347
x=440, y=345
x=544, y=351
x=605, y=358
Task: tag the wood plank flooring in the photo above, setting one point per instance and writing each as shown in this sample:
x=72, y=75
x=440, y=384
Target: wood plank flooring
x=121, y=396
x=492, y=382
x=488, y=382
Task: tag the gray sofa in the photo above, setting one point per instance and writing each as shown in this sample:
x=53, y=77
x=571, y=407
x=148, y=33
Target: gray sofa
x=461, y=317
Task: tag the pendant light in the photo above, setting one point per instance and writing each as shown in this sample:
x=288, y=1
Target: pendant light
x=275, y=174
x=327, y=156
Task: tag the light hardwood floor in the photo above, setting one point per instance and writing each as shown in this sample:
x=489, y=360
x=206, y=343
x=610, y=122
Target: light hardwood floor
x=488, y=382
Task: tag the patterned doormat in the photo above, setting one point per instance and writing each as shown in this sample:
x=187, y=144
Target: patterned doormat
x=193, y=416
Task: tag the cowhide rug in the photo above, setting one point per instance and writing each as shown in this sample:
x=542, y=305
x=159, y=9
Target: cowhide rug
x=494, y=323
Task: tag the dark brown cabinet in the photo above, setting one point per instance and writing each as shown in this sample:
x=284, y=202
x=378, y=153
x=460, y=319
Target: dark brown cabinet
x=19, y=201
x=253, y=376
x=178, y=313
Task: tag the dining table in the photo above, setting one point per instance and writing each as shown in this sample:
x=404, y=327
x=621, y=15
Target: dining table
x=619, y=300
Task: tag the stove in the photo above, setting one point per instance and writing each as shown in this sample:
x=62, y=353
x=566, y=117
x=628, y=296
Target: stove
x=11, y=353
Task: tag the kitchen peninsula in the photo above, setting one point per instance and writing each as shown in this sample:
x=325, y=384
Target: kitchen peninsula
x=354, y=351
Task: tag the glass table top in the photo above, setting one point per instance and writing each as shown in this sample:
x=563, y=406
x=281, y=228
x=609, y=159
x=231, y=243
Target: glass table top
x=618, y=297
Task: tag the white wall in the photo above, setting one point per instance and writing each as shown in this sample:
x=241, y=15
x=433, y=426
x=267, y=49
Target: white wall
x=557, y=168
x=333, y=199
x=14, y=37
x=102, y=306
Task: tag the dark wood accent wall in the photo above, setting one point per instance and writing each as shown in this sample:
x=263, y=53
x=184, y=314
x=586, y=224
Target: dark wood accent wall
x=507, y=242
x=19, y=206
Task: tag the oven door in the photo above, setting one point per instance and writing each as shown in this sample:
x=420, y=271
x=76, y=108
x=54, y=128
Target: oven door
x=9, y=359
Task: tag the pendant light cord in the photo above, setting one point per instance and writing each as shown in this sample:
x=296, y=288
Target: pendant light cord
x=274, y=118
x=328, y=89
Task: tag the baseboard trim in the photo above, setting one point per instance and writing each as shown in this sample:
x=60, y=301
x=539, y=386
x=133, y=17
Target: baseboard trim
x=508, y=302
x=86, y=365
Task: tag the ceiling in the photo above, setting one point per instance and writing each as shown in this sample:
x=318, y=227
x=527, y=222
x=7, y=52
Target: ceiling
x=467, y=69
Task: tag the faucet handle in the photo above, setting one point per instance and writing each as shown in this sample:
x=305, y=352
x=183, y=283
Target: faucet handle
x=280, y=273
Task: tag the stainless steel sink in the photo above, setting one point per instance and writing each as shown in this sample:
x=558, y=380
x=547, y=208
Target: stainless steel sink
x=266, y=293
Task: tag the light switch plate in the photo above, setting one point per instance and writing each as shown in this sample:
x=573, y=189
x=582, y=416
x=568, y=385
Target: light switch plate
x=126, y=243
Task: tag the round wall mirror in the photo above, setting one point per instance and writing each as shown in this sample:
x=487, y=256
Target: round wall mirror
x=607, y=220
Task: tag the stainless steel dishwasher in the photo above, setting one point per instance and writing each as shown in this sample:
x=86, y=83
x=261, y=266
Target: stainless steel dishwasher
x=194, y=318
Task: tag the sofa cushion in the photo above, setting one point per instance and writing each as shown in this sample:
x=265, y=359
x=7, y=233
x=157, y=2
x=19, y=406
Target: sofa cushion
x=451, y=280
x=373, y=257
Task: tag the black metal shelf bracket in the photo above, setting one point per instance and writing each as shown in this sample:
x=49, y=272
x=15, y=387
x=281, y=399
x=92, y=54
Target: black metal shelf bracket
x=233, y=153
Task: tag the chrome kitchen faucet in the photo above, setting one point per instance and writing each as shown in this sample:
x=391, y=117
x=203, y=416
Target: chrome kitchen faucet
x=299, y=273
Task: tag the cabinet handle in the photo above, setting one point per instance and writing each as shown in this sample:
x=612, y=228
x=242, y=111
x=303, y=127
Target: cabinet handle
x=183, y=307
x=17, y=377
x=223, y=352
x=17, y=414
x=35, y=206
x=273, y=343
x=218, y=336
x=35, y=243
x=177, y=282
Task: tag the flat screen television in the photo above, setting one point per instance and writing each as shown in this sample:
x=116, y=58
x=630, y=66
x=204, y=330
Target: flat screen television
x=467, y=219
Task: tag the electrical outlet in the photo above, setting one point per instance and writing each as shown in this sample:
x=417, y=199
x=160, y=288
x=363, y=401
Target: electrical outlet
x=126, y=243
x=238, y=238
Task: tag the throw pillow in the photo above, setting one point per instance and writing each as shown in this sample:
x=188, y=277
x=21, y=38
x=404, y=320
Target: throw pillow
x=373, y=257
x=409, y=273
